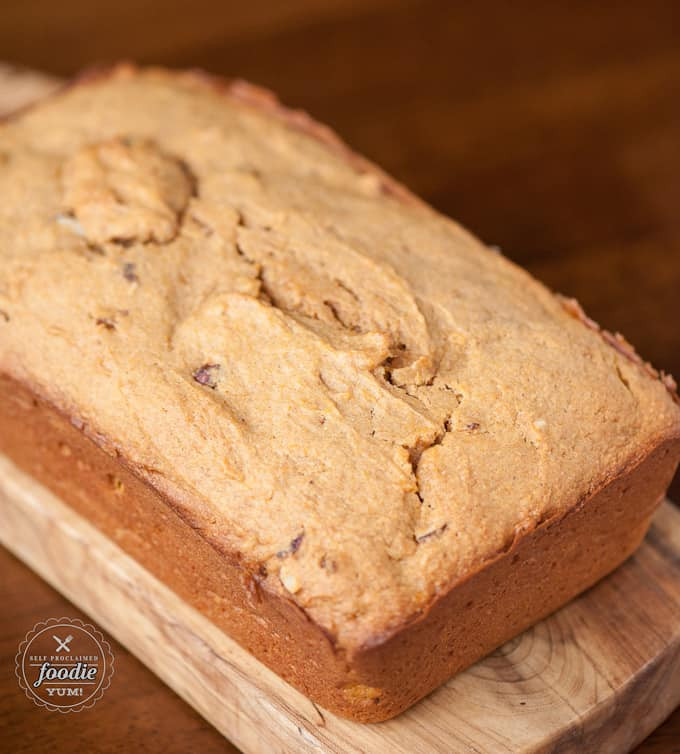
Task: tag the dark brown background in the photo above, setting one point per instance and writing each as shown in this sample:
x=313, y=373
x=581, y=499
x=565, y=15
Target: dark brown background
x=550, y=129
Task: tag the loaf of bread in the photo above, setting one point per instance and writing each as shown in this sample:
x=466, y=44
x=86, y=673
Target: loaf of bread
x=365, y=445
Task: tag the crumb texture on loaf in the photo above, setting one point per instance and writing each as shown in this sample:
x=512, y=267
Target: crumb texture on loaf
x=347, y=389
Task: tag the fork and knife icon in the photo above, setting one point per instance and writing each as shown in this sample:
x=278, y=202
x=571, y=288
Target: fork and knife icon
x=63, y=645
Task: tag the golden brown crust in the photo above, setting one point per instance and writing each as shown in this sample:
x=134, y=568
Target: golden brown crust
x=541, y=570
x=621, y=345
x=267, y=102
x=251, y=95
x=152, y=528
x=389, y=668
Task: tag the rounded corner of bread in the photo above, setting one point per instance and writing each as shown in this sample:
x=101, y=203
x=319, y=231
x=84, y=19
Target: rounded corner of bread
x=534, y=576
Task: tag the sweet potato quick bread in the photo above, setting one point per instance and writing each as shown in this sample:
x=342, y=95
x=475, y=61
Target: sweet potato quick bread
x=365, y=445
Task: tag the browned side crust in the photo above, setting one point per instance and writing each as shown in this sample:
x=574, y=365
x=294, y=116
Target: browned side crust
x=542, y=569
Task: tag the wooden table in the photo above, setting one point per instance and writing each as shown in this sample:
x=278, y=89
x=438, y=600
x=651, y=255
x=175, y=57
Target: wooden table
x=550, y=130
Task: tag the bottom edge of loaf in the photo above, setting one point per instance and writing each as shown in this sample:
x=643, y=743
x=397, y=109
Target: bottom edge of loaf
x=542, y=570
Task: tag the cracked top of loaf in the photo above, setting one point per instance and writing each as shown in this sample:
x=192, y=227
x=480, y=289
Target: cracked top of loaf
x=330, y=379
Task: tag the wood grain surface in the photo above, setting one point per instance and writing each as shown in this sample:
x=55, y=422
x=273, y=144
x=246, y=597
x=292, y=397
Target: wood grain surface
x=550, y=129
x=596, y=676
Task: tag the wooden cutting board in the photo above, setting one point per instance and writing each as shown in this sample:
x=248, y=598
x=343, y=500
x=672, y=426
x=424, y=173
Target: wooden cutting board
x=597, y=676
